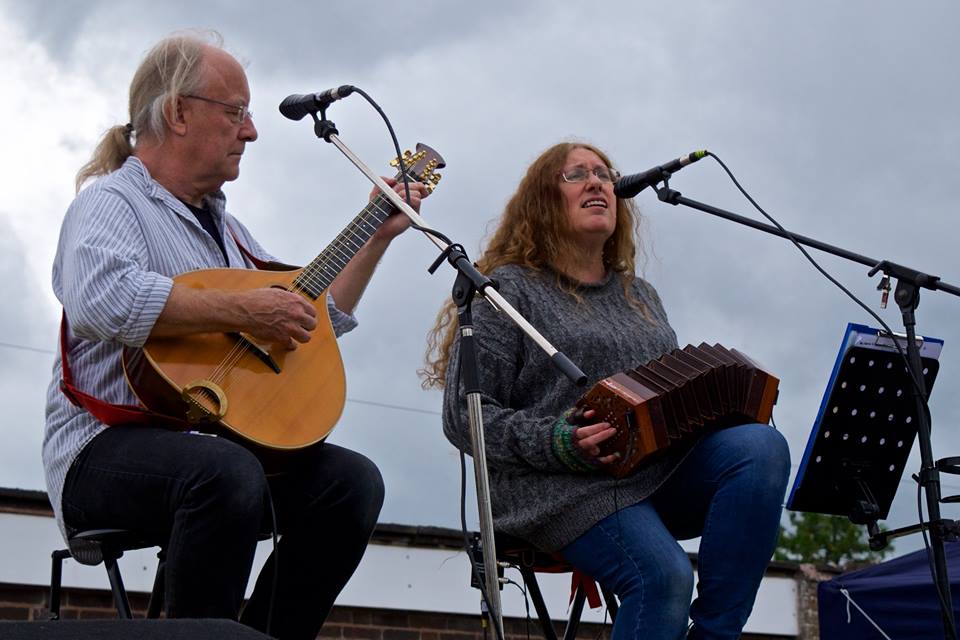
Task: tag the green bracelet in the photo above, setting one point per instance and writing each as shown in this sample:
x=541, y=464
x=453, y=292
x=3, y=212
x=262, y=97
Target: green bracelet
x=565, y=449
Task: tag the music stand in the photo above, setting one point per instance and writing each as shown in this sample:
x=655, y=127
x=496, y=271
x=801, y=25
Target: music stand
x=910, y=282
x=864, y=431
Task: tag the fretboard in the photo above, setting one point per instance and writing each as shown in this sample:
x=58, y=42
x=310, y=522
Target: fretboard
x=318, y=275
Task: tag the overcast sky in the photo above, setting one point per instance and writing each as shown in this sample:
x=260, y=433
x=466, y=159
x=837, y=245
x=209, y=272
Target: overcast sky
x=839, y=118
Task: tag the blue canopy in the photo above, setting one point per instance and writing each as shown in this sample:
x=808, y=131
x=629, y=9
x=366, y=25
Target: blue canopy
x=898, y=595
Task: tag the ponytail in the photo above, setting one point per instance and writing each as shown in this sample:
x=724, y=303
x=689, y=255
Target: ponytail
x=171, y=68
x=112, y=151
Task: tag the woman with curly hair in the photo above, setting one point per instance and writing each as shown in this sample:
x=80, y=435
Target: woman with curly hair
x=563, y=254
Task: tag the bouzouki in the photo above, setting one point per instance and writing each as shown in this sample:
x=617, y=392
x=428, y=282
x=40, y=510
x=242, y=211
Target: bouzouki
x=229, y=383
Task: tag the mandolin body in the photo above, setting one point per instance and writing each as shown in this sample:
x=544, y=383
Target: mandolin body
x=228, y=384
x=264, y=393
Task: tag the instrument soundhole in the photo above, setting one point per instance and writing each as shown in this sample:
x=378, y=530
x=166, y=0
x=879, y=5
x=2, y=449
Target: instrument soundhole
x=206, y=401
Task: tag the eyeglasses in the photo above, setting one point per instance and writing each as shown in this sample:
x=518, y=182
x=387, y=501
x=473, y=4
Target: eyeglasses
x=240, y=112
x=582, y=174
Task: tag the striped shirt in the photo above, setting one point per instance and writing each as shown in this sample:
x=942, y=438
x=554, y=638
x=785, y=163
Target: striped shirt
x=122, y=240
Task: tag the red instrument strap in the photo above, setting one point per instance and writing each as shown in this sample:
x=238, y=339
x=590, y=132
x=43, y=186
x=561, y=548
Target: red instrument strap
x=578, y=580
x=263, y=265
x=558, y=564
x=113, y=415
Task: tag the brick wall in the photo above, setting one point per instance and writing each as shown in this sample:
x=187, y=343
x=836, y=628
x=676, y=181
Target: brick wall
x=373, y=624
x=809, y=578
x=19, y=602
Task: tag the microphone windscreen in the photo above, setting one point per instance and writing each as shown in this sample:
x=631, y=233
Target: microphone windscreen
x=296, y=106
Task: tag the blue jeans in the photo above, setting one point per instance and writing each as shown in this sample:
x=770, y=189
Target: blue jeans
x=729, y=490
x=209, y=498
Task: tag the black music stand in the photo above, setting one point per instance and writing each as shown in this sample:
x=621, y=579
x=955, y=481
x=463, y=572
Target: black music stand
x=864, y=432
x=907, y=296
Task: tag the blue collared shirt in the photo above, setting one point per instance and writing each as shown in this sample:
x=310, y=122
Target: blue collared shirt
x=122, y=241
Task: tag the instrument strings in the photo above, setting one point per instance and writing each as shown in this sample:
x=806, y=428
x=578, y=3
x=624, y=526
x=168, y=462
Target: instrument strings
x=314, y=274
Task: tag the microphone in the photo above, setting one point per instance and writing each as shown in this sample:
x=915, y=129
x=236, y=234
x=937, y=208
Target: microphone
x=298, y=105
x=629, y=186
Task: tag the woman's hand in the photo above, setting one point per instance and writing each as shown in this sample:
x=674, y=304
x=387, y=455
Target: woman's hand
x=588, y=438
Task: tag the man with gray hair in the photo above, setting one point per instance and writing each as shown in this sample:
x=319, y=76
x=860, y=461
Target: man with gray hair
x=156, y=210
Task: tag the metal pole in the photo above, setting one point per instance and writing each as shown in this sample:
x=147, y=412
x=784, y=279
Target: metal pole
x=486, y=517
x=469, y=282
x=907, y=296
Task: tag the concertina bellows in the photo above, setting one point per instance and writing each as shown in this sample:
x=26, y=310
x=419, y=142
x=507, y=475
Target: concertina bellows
x=676, y=397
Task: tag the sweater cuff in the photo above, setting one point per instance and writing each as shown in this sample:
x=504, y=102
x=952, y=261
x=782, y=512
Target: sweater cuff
x=564, y=448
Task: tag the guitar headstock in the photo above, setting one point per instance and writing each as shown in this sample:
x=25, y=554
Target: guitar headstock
x=421, y=166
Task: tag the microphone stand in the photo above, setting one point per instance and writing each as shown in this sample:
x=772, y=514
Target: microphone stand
x=907, y=296
x=468, y=283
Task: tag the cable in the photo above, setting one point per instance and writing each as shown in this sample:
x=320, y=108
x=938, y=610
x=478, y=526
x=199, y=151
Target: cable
x=385, y=405
x=393, y=137
x=926, y=546
x=911, y=374
x=816, y=265
x=276, y=562
x=463, y=507
x=523, y=590
x=829, y=277
x=850, y=601
x=398, y=407
x=20, y=347
x=403, y=168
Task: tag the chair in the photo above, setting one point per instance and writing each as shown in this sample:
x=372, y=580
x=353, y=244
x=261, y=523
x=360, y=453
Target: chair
x=107, y=546
x=530, y=561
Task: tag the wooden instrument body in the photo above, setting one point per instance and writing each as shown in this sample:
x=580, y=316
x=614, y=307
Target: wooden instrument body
x=292, y=408
x=680, y=394
x=264, y=393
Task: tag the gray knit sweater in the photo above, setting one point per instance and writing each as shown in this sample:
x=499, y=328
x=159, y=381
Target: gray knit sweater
x=534, y=495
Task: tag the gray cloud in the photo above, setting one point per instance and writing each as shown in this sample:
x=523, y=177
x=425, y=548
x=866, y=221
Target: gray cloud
x=25, y=372
x=328, y=37
x=837, y=118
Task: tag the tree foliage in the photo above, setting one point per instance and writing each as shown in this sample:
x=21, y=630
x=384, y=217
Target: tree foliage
x=826, y=540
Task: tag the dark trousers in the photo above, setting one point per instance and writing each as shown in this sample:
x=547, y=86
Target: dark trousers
x=209, y=496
